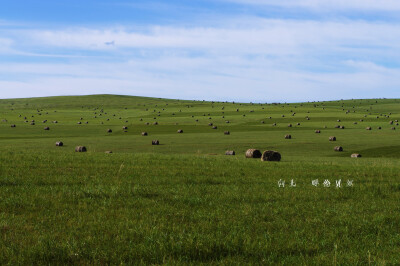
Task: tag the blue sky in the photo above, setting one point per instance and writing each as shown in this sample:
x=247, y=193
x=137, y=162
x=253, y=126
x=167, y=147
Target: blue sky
x=242, y=50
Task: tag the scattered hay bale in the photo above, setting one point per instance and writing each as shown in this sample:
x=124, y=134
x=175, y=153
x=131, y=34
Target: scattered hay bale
x=391, y=122
x=337, y=126
x=342, y=127
x=80, y=149
x=210, y=124
x=338, y=148
x=230, y=153
x=180, y=131
x=124, y=127
x=59, y=144
x=262, y=122
x=288, y=136
x=332, y=138
x=227, y=133
x=393, y=128
x=355, y=123
x=144, y=133
x=368, y=128
x=13, y=126
x=355, y=155
x=32, y=123
x=79, y=123
x=155, y=142
x=108, y=152
x=227, y=121
x=214, y=127
x=338, y=120
x=253, y=153
x=317, y=131
x=290, y=125
x=55, y=122
x=298, y=124
x=271, y=156
x=274, y=124
x=109, y=131
x=155, y=123
x=46, y=128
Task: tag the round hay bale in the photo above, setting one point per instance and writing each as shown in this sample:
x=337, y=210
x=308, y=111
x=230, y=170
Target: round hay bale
x=108, y=152
x=288, y=136
x=262, y=122
x=368, y=128
x=32, y=123
x=337, y=126
x=214, y=127
x=332, y=138
x=144, y=133
x=391, y=122
x=46, y=128
x=155, y=142
x=338, y=120
x=271, y=156
x=155, y=123
x=355, y=155
x=55, y=122
x=274, y=124
x=338, y=148
x=355, y=123
x=227, y=133
x=59, y=144
x=290, y=125
x=393, y=128
x=180, y=131
x=379, y=127
x=298, y=124
x=210, y=124
x=109, y=131
x=124, y=127
x=80, y=149
x=227, y=121
x=308, y=118
x=317, y=131
x=342, y=127
x=230, y=153
x=79, y=123
x=253, y=153
x=13, y=126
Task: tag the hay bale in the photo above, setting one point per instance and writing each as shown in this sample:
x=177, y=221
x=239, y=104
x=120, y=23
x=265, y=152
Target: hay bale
x=393, y=128
x=59, y=144
x=337, y=126
x=32, y=123
x=338, y=120
x=342, y=127
x=230, y=153
x=108, y=152
x=338, y=148
x=379, y=127
x=253, y=153
x=271, y=156
x=368, y=128
x=288, y=136
x=155, y=142
x=332, y=138
x=55, y=122
x=144, y=133
x=214, y=127
x=180, y=131
x=79, y=123
x=210, y=124
x=298, y=124
x=355, y=155
x=46, y=128
x=80, y=149
x=290, y=125
x=13, y=126
x=124, y=127
x=391, y=123
x=227, y=133
x=317, y=131
x=109, y=131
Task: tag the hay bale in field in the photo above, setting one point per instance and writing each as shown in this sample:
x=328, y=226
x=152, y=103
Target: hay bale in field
x=79, y=123
x=59, y=144
x=227, y=133
x=46, y=128
x=342, y=127
x=355, y=123
x=214, y=127
x=355, y=155
x=271, y=156
x=32, y=123
x=290, y=125
x=13, y=126
x=227, y=121
x=155, y=123
x=391, y=123
x=298, y=124
x=55, y=122
x=274, y=124
x=338, y=148
x=379, y=127
x=124, y=127
x=230, y=153
x=262, y=122
x=393, y=128
x=308, y=118
x=108, y=152
x=288, y=136
x=332, y=138
x=109, y=131
x=80, y=149
x=317, y=131
x=368, y=128
x=144, y=133
x=338, y=120
x=337, y=126
x=210, y=124
x=180, y=131
x=155, y=142
x=361, y=120
x=253, y=153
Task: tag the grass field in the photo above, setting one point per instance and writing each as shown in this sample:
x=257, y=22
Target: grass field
x=184, y=201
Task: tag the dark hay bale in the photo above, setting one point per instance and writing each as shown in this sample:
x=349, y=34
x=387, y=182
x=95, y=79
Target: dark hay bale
x=393, y=128
x=155, y=123
x=253, y=153
x=13, y=126
x=355, y=123
x=108, y=152
x=227, y=133
x=227, y=121
x=124, y=127
x=288, y=136
x=368, y=128
x=391, y=122
x=298, y=124
x=155, y=142
x=210, y=124
x=338, y=148
x=230, y=153
x=317, y=131
x=80, y=149
x=262, y=122
x=59, y=144
x=290, y=125
x=144, y=133
x=338, y=120
x=79, y=123
x=32, y=123
x=342, y=127
x=274, y=124
x=180, y=131
x=109, y=131
x=355, y=155
x=332, y=138
x=337, y=126
x=271, y=156
x=214, y=127
x=46, y=128
x=55, y=122
x=379, y=127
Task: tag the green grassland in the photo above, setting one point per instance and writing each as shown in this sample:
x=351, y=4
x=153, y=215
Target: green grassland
x=184, y=201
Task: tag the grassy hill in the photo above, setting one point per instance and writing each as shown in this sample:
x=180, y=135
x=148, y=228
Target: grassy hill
x=184, y=201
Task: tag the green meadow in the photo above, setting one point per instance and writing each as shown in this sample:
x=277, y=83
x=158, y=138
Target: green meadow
x=186, y=202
